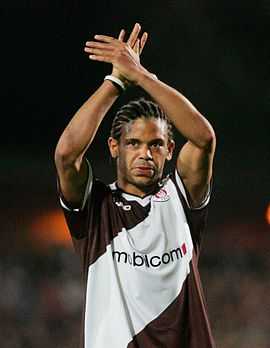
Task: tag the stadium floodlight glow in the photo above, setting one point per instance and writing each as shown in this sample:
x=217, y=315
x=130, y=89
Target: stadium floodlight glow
x=267, y=214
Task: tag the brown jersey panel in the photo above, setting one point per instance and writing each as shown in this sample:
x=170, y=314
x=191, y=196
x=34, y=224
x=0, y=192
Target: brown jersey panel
x=105, y=214
x=184, y=324
x=196, y=218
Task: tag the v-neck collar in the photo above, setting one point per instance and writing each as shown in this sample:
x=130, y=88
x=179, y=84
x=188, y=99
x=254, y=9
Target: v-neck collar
x=132, y=197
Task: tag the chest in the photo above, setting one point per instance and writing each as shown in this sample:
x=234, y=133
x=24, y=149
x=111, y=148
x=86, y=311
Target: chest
x=159, y=244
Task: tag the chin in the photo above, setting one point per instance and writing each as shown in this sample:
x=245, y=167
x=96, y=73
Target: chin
x=145, y=182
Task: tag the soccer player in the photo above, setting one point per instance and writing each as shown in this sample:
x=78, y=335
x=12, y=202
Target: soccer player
x=139, y=238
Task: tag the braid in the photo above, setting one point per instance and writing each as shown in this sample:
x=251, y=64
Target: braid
x=137, y=109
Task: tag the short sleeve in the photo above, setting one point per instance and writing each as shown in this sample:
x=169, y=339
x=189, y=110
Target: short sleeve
x=206, y=199
x=77, y=217
x=85, y=222
x=196, y=217
x=65, y=205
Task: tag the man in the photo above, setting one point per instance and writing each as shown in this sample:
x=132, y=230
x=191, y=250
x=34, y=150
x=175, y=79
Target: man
x=139, y=238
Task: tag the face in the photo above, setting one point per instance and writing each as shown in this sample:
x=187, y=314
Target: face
x=141, y=154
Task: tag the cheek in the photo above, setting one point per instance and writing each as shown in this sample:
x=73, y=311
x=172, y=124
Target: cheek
x=160, y=157
x=124, y=160
x=129, y=155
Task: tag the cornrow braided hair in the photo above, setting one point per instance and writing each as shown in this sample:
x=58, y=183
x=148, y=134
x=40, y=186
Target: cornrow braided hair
x=137, y=109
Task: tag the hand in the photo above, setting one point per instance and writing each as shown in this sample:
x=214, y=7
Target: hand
x=125, y=57
x=136, y=44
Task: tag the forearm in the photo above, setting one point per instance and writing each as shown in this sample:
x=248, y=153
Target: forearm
x=81, y=130
x=185, y=117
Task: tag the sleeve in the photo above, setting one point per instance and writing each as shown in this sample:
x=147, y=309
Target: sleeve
x=196, y=217
x=206, y=199
x=85, y=222
x=65, y=205
x=77, y=218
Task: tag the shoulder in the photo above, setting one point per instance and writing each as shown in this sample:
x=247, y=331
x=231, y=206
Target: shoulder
x=184, y=195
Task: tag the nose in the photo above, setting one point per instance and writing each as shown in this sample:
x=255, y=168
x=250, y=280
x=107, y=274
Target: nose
x=145, y=153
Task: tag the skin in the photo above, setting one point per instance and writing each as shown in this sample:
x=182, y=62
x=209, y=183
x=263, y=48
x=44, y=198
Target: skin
x=141, y=153
x=195, y=158
x=78, y=135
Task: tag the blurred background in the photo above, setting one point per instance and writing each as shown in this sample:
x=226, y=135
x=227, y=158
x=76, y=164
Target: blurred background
x=217, y=54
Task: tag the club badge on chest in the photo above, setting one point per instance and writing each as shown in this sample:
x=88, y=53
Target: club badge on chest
x=161, y=196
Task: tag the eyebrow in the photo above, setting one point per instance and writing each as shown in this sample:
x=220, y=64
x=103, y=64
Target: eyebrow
x=155, y=140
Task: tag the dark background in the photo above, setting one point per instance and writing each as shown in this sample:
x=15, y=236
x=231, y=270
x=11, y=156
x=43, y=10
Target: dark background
x=217, y=54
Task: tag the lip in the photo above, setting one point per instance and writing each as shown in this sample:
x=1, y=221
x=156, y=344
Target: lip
x=144, y=168
x=144, y=171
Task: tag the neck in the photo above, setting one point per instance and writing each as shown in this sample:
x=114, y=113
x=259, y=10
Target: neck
x=137, y=190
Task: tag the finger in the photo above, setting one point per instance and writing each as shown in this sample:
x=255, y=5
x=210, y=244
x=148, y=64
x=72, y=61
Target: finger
x=134, y=34
x=105, y=59
x=143, y=41
x=104, y=38
x=121, y=35
x=95, y=44
x=95, y=51
x=136, y=47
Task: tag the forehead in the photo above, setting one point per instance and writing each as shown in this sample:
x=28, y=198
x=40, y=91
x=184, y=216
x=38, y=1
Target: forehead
x=145, y=128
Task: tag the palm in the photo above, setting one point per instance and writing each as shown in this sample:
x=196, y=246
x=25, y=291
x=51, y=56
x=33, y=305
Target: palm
x=116, y=73
x=136, y=46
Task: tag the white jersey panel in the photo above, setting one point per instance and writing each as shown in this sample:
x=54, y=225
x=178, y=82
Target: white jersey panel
x=106, y=312
x=140, y=274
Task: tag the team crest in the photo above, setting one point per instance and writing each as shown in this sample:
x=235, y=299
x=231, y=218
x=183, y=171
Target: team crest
x=161, y=196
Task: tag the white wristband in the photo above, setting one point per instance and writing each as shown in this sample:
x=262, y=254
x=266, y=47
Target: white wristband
x=116, y=80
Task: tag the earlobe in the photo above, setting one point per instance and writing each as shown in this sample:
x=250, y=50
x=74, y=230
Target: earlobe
x=169, y=156
x=114, y=154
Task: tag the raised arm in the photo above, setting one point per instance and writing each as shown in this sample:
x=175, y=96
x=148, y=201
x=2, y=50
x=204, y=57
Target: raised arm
x=70, y=163
x=195, y=159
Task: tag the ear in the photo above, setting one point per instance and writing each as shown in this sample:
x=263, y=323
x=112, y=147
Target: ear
x=113, y=146
x=170, y=149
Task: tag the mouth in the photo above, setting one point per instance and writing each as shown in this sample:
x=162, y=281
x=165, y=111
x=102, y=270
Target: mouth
x=144, y=171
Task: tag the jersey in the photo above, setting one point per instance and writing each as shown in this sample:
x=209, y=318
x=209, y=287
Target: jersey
x=140, y=267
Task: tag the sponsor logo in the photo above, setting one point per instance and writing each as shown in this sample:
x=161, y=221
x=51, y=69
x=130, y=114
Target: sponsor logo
x=138, y=260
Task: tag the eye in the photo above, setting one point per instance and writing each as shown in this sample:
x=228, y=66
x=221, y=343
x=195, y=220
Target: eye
x=157, y=144
x=132, y=142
